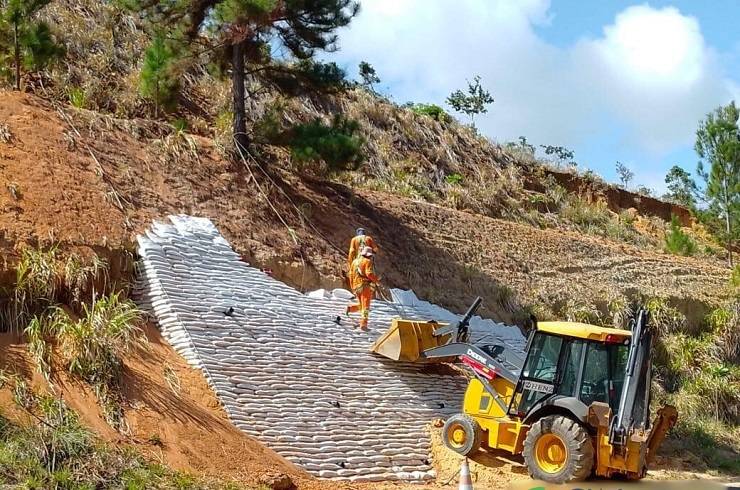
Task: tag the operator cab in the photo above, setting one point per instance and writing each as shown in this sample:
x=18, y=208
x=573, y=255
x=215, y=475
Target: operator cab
x=581, y=362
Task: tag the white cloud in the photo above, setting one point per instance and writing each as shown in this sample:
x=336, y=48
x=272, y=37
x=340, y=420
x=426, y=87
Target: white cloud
x=650, y=73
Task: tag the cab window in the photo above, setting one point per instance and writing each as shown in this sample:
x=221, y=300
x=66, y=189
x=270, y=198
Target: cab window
x=542, y=363
x=571, y=368
x=603, y=373
x=539, y=371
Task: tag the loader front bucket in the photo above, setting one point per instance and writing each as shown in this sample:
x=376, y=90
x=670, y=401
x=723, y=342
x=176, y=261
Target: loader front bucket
x=405, y=340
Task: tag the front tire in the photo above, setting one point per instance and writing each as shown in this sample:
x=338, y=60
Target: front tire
x=462, y=434
x=558, y=450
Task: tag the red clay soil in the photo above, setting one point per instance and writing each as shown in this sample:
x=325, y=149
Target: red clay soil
x=110, y=178
x=179, y=423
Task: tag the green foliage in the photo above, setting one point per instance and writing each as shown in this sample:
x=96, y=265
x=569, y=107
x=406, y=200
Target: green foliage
x=713, y=440
x=625, y=174
x=561, y=154
x=180, y=124
x=735, y=277
x=584, y=213
x=368, y=75
x=432, y=110
x=159, y=81
x=77, y=97
x=473, y=102
x=235, y=35
x=663, y=316
x=453, y=179
x=338, y=144
x=94, y=346
x=322, y=76
x=56, y=451
x=718, y=146
x=681, y=187
x=25, y=41
x=580, y=310
x=677, y=242
x=43, y=279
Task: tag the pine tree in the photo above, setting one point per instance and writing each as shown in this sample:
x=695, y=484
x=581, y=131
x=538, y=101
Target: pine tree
x=472, y=103
x=368, y=75
x=718, y=145
x=676, y=241
x=25, y=40
x=236, y=34
x=158, y=76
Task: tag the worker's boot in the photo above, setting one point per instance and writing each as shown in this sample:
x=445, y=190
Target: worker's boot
x=363, y=325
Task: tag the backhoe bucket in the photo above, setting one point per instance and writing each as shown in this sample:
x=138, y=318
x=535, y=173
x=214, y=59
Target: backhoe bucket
x=407, y=339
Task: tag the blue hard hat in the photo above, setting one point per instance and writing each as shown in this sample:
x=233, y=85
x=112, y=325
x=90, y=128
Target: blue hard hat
x=360, y=231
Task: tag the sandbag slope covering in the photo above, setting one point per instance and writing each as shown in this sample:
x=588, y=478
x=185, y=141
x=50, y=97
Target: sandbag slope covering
x=283, y=370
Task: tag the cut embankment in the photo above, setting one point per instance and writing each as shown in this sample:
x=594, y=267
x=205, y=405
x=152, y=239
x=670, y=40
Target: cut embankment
x=285, y=371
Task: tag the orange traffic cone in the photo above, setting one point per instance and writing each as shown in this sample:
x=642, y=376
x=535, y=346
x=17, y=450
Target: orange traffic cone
x=466, y=483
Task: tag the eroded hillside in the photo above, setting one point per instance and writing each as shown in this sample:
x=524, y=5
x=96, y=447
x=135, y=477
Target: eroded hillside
x=78, y=179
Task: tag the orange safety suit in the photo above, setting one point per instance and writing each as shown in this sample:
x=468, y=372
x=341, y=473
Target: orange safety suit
x=362, y=281
x=355, y=247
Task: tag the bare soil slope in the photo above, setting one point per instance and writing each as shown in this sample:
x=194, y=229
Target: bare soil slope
x=172, y=415
x=110, y=178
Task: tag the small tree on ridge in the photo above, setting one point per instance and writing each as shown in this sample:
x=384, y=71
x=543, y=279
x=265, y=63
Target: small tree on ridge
x=473, y=102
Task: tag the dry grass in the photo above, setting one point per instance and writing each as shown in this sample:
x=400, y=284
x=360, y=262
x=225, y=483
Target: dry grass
x=6, y=136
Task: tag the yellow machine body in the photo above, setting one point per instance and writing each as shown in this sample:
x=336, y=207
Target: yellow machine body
x=405, y=341
x=485, y=418
x=582, y=331
x=641, y=445
x=500, y=431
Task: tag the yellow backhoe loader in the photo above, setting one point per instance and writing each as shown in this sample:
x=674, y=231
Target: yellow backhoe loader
x=576, y=404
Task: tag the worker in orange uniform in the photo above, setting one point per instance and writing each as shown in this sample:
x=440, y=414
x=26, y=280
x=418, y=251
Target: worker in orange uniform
x=363, y=281
x=356, y=245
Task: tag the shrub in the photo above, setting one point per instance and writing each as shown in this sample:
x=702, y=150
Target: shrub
x=725, y=324
x=580, y=211
x=77, y=97
x=432, y=110
x=735, y=278
x=338, y=144
x=677, y=242
x=663, y=316
x=94, y=345
x=180, y=124
x=56, y=451
x=454, y=179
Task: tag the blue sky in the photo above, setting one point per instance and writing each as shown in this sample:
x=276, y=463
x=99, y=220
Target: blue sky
x=612, y=80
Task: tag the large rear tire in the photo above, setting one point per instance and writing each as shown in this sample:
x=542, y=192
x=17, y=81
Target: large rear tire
x=462, y=434
x=558, y=450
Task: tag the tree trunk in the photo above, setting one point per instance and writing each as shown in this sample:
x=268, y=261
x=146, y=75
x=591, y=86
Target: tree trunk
x=728, y=229
x=156, y=99
x=238, y=79
x=17, y=58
